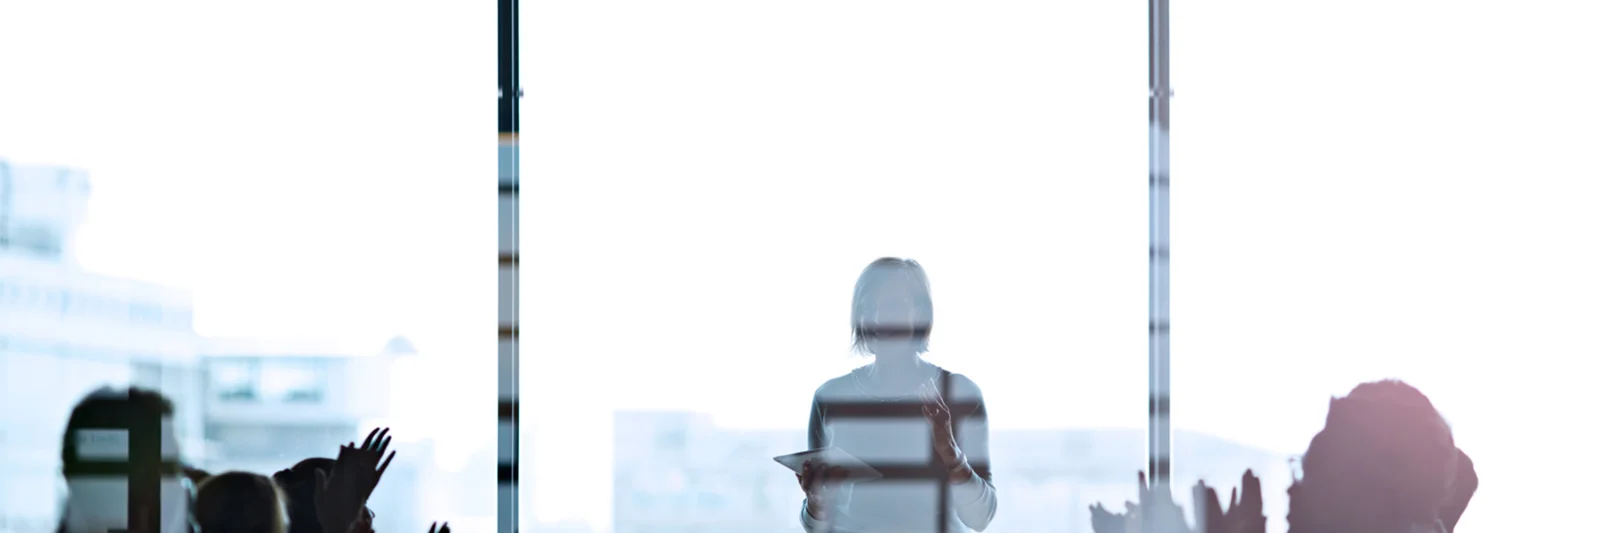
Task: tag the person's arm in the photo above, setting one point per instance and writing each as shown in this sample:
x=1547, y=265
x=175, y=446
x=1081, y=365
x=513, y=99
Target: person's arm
x=974, y=498
x=812, y=524
x=816, y=437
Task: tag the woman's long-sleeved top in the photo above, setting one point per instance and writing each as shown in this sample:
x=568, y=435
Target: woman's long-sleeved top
x=890, y=432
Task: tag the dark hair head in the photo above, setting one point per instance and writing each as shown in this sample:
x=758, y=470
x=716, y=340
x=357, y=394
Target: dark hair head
x=903, y=274
x=239, y=502
x=1385, y=456
x=109, y=407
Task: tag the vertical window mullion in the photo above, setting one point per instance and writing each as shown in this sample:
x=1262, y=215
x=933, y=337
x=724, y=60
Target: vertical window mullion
x=1160, y=429
x=508, y=425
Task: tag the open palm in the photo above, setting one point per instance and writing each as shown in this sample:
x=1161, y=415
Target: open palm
x=1243, y=514
x=341, y=495
x=1156, y=512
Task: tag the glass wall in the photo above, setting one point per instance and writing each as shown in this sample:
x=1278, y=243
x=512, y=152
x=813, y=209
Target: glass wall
x=706, y=180
x=252, y=213
x=1370, y=190
x=240, y=206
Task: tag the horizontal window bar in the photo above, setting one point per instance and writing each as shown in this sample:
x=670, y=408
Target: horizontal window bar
x=891, y=409
x=115, y=469
x=911, y=472
x=1160, y=405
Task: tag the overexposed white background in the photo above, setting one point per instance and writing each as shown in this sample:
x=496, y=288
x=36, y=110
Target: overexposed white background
x=317, y=170
x=1362, y=190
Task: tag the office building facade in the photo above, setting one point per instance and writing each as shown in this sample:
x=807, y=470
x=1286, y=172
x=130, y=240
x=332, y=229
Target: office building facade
x=65, y=332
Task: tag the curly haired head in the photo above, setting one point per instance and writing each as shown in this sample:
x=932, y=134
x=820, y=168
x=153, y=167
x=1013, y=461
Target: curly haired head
x=1384, y=460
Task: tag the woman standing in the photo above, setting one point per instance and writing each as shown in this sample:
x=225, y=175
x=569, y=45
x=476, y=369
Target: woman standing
x=919, y=425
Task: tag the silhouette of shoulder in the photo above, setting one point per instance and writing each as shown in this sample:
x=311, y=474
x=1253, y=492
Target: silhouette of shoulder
x=852, y=387
x=839, y=388
x=963, y=388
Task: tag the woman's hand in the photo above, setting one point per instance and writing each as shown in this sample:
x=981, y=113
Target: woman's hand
x=821, y=485
x=341, y=495
x=439, y=528
x=945, y=447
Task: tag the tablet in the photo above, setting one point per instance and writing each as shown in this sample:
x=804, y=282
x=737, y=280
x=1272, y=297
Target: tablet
x=859, y=470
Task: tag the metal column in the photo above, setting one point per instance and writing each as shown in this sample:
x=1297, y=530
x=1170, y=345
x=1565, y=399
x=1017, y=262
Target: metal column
x=509, y=426
x=1160, y=450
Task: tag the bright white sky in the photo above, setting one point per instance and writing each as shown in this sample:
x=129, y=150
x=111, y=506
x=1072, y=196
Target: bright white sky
x=1362, y=190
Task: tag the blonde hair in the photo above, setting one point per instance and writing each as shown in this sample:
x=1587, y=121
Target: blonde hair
x=239, y=502
x=874, y=278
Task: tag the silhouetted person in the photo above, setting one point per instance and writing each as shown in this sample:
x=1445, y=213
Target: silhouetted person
x=195, y=476
x=338, y=490
x=239, y=502
x=94, y=461
x=1157, y=512
x=882, y=413
x=299, y=487
x=1385, y=462
x=1241, y=514
x=1466, y=484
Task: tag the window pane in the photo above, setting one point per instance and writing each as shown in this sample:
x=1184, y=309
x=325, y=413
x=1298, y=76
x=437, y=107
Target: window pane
x=234, y=381
x=292, y=382
x=711, y=177
x=1387, y=190
x=243, y=221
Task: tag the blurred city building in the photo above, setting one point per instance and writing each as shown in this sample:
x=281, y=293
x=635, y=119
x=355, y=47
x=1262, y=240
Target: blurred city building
x=270, y=404
x=242, y=404
x=41, y=208
x=677, y=472
x=65, y=332
x=566, y=526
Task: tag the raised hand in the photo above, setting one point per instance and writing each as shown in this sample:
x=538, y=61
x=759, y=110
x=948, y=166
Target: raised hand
x=937, y=412
x=1158, y=513
x=1155, y=513
x=1209, y=516
x=341, y=495
x=439, y=528
x=1247, y=513
x=1243, y=515
x=1103, y=521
